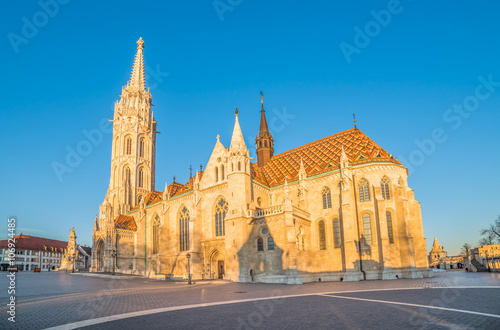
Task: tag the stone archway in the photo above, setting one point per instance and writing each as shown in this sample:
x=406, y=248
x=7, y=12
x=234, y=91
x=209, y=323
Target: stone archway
x=99, y=259
x=217, y=265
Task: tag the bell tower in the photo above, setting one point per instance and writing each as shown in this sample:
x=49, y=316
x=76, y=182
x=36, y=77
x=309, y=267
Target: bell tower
x=264, y=140
x=134, y=142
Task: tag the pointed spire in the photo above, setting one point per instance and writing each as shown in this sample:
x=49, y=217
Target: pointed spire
x=344, y=161
x=263, y=130
x=166, y=195
x=138, y=77
x=237, y=140
x=302, y=171
x=436, y=245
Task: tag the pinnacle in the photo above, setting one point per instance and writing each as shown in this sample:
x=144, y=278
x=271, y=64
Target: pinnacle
x=138, y=76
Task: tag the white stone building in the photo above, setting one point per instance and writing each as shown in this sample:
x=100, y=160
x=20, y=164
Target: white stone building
x=335, y=209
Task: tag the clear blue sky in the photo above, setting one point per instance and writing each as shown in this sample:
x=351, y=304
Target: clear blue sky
x=64, y=77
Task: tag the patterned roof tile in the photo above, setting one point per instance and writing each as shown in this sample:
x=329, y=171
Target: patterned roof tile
x=126, y=222
x=321, y=156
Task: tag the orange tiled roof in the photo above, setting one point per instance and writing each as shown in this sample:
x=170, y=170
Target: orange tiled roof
x=125, y=222
x=151, y=198
x=27, y=242
x=321, y=156
x=175, y=189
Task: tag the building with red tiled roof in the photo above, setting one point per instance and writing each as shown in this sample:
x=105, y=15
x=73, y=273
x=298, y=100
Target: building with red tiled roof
x=35, y=252
x=338, y=208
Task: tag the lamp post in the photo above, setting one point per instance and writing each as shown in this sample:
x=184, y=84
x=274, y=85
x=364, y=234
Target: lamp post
x=113, y=255
x=72, y=258
x=188, y=256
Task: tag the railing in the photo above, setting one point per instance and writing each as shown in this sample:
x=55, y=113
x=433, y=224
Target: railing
x=260, y=213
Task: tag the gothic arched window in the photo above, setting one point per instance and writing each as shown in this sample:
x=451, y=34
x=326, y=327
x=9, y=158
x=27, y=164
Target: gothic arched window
x=128, y=145
x=336, y=233
x=322, y=236
x=117, y=147
x=367, y=229
x=327, y=198
x=390, y=231
x=260, y=244
x=222, y=172
x=221, y=208
x=384, y=183
x=364, y=192
x=141, y=147
x=140, y=175
x=239, y=166
x=184, y=229
x=156, y=234
x=270, y=243
x=265, y=143
x=216, y=174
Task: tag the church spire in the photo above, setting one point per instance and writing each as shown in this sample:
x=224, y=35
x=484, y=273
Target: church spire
x=264, y=140
x=237, y=140
x=138, y=77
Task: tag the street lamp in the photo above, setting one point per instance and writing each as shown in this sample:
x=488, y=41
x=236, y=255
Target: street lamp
x=113, y=255
x=188, y=256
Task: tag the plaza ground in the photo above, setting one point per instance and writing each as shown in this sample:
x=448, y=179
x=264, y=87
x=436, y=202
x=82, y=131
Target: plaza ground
x=450, y=300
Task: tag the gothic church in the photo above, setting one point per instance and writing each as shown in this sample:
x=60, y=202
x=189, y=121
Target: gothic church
x=335, y=209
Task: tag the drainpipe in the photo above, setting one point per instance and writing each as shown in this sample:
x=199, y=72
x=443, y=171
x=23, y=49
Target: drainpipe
x=357, y=221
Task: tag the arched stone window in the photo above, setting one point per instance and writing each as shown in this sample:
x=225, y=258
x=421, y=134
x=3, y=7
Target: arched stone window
x=270, y=243
x=364, y=191
x=184, y=229
x=126, y=175
x=156, y=234
x=390, y=230
x=239, y=166
x=221, y=208
x=128, y=145
x=117, y=146
x=327, y=198
x=216, y=174
x=265, y=143
x=384, y=184
x=140, y=176
x=260, y=244
x=222, y=172
x=141, y=147
x=367, y=229
x=322, y=235
x=336, y=233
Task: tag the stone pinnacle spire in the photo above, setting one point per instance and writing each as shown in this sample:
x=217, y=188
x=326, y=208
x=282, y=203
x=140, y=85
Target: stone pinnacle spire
x=138, y=77
x=237, y=140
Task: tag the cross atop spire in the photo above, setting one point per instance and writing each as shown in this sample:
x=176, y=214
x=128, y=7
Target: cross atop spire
x=138, y=77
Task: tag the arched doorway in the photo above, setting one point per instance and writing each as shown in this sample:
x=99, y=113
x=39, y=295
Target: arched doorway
x=217, y=267
x=99, y=255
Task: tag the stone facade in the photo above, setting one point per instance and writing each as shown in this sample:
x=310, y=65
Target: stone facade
x=336, y=209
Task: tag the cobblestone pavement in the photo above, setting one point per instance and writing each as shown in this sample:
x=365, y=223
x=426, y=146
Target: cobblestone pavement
x=449, y=300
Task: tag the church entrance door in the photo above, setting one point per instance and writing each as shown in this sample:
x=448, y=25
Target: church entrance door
x=220, y=268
